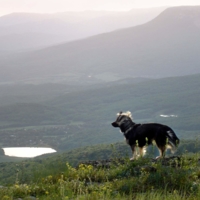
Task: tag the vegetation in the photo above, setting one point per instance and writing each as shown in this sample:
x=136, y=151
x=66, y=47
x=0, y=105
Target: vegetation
x=90, y=173
x=179, y=178
x=30, y=169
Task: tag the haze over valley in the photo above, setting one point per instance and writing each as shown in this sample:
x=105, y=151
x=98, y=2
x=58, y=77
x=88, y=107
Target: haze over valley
x=64, y=76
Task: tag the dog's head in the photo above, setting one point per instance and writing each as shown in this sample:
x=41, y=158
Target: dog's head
x=122, y=119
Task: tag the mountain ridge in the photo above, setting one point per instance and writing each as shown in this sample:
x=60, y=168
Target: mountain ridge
x=66, y=26
x=151, y=50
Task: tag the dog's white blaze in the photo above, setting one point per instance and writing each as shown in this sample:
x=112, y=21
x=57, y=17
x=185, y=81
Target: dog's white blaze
x=127, y=141
x=170, y=144
x=170, y=133
x=171, y=147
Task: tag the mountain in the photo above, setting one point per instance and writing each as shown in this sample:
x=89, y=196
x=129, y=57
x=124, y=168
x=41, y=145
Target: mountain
x=18, y=29
x=166, y=46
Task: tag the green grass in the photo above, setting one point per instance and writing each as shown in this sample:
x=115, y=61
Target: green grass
x=51, y=177
x=139, y=179
x=54, y=163
x=10, y=159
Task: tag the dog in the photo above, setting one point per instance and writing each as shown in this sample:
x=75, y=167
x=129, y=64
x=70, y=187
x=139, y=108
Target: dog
x=142, y=135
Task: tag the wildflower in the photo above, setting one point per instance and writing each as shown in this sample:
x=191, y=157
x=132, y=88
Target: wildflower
x=6, y=197
x=175, y=191
x=49, y=177
x=146, y=141
x=90, y=167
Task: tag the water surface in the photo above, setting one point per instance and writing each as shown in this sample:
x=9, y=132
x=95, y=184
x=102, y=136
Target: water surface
x=27, y=152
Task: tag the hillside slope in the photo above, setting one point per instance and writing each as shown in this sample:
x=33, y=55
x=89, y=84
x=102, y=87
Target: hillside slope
x=24, y=31
x=166, y=46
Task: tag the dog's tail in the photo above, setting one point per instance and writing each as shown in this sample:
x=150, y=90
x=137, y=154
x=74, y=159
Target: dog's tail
x=173, y=140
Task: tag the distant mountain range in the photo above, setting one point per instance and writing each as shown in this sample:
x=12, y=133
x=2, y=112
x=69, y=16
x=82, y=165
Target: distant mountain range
x=26, y=31
x=169, y=45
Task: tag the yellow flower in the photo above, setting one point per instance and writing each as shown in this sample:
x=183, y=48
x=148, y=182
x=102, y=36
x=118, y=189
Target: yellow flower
x=175, y=191
x=90, y=167
x=49, y=177
x=6, y=197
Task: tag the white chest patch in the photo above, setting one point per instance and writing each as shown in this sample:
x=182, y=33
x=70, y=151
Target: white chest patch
x=127, y=141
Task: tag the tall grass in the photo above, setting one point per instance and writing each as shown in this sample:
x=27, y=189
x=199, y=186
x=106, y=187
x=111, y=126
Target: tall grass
x=142, y=179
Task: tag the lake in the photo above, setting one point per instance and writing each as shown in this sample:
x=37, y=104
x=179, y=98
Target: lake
x=27, y=152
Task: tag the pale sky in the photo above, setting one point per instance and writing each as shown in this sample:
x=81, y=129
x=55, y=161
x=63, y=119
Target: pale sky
x=52, y=6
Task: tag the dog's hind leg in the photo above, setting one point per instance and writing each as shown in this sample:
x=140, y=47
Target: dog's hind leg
x=161, y=151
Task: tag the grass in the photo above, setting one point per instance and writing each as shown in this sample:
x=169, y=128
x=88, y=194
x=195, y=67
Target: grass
x=176, y=178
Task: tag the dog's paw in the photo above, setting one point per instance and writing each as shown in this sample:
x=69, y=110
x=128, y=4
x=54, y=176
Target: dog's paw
x=158, y=157
x=132, y=158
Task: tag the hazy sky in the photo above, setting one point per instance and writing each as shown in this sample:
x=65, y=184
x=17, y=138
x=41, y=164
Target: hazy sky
x=50, y=6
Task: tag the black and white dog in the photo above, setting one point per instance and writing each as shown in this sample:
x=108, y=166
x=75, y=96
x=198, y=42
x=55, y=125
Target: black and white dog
x=141, y=135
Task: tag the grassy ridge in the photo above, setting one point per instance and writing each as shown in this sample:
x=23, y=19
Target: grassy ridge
x=31, y=169
x=61, y=176
x=136, y=179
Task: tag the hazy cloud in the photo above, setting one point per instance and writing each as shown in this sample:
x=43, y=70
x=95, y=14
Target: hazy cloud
x=44, y=6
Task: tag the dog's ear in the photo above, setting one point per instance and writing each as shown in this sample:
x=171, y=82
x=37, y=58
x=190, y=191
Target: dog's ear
x=119, y=113
x=129, y=114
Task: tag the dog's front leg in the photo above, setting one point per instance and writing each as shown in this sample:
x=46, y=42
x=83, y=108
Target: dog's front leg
x=142, y=151
x=134, y=152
